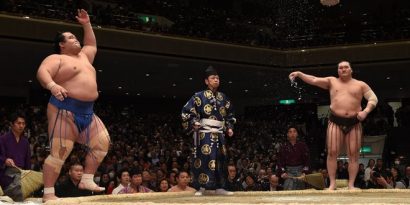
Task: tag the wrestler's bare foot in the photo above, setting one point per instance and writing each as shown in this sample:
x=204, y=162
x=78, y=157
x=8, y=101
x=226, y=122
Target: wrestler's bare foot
x=48, y=197
x=353, y=188
x=90, y=186
x=331, y=188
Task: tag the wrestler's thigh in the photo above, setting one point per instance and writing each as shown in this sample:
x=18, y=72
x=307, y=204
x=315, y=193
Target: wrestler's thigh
x=62, y=125
x=61, y=128
x=353, y=139
x=99, y=136
x=334, y=137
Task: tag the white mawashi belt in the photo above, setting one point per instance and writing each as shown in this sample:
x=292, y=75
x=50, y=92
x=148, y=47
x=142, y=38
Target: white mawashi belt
x=211, y=126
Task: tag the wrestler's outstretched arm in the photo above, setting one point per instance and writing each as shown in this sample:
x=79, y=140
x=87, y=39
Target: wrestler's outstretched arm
x=310, y=79
x=89, y=40
x=48, y=68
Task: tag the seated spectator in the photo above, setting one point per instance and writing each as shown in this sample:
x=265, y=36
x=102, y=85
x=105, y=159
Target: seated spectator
x=69, y=187
x=273, y=184
x=370, y=166
x=163, y=186
x=341, y=172
x=250, y=183
x=104, y=182
x=359, y=181
x=232, y=183
x=396, y=174
x=387, y=182
x=172, y=179
x=136, y=183
x=111, y=185
x=147, y=180
x=124, y=185
x=326, y=179
x=406, y=177
x=183, y=180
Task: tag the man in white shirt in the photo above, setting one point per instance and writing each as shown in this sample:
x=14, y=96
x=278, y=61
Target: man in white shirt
x=124, y=183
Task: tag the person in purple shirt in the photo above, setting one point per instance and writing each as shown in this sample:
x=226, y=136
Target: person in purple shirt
x=14, y=152
x=293, y=161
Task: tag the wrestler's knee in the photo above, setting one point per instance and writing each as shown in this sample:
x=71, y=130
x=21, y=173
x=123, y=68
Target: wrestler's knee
x=54, y=162
x=332, y=154
x=99, y=145
x=353, y=158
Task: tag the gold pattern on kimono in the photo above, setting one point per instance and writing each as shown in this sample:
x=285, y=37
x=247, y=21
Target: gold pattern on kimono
x=208, y=94
x=219, y=97
x=197, y=163
x=208, y=109
x=201, y=135
x=197, y=101
x=214, y=137
x=206, y=149
x=203, y=178
x=212, y=165
x=222, y=111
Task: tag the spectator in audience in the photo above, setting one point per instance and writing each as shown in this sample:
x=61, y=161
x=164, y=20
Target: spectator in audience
x=111, y=185
x=172, y=178
x=273, y=184
x=163, y=185
x=325, y=177
x=124, y=178
x=387, y=182
x=136, y=183
x=251, y=184
x=14, y=153
x=395, y=174
x=146, y=180
x=370, y=165
x=293, y=160
x=406, y=178
x=232, y=182
x=69, y=188
x=104, y=182
x=379, y=167
x=399, y=166
x=341, y=172
x=183, y=180
x=359, y=182
x=209, y=115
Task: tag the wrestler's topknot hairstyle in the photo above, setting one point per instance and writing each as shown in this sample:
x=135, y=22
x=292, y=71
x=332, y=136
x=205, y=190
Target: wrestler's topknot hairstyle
x=59, y=37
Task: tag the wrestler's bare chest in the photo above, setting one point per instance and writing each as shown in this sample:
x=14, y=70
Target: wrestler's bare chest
x=351, y=89
x=74, y=67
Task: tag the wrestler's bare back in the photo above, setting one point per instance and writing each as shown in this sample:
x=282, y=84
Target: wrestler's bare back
x=77, y=76
x=346, y=97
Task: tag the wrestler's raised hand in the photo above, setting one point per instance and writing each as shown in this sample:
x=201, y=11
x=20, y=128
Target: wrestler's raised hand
x=59, y=92
x=82, y=16
x=361, y=115
x=293, y=75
